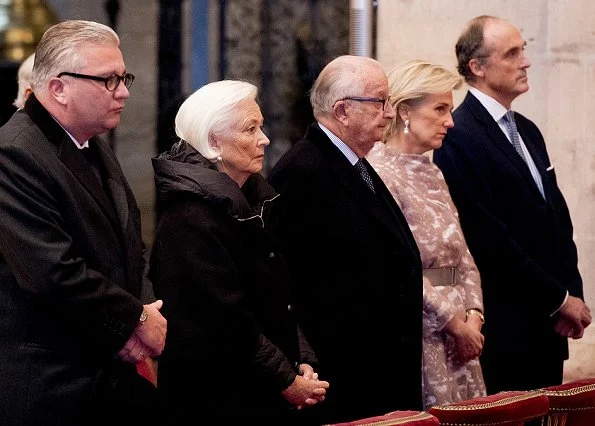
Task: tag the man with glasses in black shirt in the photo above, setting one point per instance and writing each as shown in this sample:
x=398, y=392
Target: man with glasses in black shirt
x=77, y=310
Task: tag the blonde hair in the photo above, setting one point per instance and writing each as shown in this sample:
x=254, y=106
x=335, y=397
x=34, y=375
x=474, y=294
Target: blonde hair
x=410, y=81
x=210, y=110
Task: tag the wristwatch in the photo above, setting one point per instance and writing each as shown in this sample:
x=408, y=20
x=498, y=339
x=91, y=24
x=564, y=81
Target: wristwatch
x=475, y=312
x=143, y=317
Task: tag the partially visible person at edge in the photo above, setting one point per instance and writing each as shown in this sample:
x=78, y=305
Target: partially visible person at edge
x=514, y=217
x=77, y=309
x=24, y=81
x=233, y=337
x=421, y=94
x=359, y=283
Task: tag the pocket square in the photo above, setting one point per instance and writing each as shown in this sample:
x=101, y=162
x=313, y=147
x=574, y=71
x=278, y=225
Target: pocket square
x=549, y=168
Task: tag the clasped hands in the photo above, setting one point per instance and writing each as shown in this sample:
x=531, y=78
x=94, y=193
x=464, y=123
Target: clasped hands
x=306, y=389
x=574, y=317
x=148, y=339
x=466, y=333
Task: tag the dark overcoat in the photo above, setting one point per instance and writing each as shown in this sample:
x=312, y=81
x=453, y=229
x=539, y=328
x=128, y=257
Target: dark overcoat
x=233, y=344
x=358, y=285
x=72, y=274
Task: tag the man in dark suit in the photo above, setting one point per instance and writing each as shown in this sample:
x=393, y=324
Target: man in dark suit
x=77, y=312
x=357, y=268
x=513, y=214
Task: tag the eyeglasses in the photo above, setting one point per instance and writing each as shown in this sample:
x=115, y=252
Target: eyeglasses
x=111, y=83
x=383, y=101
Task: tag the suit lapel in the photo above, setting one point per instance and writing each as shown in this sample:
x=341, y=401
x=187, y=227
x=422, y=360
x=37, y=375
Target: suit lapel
x=499, y=140
x=72, y=158
x=538, y=159
x=380, y=206
x=114, y=185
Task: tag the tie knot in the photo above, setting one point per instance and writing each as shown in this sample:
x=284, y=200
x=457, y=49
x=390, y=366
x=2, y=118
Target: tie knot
x=359, y=165
x=509, y=116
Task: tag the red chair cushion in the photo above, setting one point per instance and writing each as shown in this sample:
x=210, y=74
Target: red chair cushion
x=401, y=418
x=572, y=402
x=514, y=407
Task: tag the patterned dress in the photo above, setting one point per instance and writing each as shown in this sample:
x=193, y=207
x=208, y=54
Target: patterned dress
x=421, y=191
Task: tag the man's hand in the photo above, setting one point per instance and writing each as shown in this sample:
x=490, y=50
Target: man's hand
x=152, y=332
x=134, y=351
x=574, y=317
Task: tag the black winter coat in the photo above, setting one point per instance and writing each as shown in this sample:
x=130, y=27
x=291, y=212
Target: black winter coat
x=233, y=343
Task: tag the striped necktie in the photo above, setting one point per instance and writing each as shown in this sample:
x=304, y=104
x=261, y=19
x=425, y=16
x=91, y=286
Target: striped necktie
x=513, y=133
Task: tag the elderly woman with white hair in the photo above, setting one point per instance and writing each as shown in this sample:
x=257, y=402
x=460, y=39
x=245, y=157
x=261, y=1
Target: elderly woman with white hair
x=234, y=352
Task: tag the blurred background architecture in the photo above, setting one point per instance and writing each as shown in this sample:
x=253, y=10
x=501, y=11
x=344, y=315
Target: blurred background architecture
x=175, y=46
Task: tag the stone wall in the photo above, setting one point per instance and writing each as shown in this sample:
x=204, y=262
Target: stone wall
x=561, y=47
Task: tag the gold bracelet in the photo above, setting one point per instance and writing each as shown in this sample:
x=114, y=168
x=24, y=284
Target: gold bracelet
x=475, y=312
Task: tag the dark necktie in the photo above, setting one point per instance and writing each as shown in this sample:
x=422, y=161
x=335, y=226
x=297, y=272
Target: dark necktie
x=363, y=171
x=514, y=134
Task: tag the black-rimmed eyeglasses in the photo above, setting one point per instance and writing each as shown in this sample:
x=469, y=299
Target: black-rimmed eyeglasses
x=111, y=83
x=383, y=101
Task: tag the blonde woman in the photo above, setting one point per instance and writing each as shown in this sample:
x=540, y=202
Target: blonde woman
x=421, y=94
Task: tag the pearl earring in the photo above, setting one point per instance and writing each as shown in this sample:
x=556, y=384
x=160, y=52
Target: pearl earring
x=219, y=158
x=406, y=129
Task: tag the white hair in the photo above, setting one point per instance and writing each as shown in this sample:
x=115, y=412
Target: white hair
x=344, y=76
x=209, y=111
x=24, y=80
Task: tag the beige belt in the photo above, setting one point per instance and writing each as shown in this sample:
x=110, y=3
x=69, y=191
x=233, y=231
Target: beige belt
x=441, y=276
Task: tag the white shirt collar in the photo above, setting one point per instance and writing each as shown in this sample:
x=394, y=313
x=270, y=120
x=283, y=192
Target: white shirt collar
x=78, y=145
x=347, y=152
x=495, y=108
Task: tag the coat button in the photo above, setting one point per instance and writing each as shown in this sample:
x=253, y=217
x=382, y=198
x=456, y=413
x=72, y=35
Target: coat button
x=289, y=308
x=271, y=255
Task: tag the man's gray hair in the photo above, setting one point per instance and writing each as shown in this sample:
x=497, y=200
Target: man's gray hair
x=342, y=77
x=210, y=111
x=59, y=48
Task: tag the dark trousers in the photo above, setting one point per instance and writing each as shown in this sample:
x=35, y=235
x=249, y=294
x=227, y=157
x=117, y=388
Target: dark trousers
x=520, y=371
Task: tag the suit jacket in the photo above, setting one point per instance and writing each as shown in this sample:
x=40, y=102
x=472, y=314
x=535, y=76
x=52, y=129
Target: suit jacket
x=521, y=242
x=357, y=278
x=72, y=273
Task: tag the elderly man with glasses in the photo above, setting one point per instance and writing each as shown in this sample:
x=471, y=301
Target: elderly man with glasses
x=357, y=268
x=77, y=310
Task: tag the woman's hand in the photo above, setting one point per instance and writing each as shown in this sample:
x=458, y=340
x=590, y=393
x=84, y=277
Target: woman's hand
x=305, y=391
x=467, y=338
x=475, y=322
